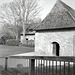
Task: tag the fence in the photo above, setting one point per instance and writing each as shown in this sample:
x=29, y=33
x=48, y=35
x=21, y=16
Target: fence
x=40, y=65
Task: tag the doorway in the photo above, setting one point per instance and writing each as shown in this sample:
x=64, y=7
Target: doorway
x=56, y=48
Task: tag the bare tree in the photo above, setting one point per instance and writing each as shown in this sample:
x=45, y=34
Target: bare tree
x=9, y=17
x=19, y=12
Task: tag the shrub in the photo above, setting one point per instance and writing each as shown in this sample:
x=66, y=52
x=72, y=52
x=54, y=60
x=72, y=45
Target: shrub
x=5, y=37
x=1, y=41
x=29, y=43
x=1, y=67
x=19, y=66
x=12, y=42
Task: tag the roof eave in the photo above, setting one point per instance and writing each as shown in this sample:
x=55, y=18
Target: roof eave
x=56, y=29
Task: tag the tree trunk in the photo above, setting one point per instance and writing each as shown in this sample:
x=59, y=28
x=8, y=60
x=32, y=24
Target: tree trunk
x=17, y=36
x=24, y=23
x=24, y=38
x=17, y=33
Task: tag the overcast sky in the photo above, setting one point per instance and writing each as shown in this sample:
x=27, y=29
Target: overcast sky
x=47, y=5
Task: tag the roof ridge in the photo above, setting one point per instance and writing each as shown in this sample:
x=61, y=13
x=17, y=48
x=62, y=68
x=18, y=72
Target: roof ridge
x=66, y=5
x=68, y=8
x=58, y=4
x=58, y=1
x=54, y=18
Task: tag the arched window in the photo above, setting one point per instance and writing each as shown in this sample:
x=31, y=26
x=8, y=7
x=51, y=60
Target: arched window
x=56, y=48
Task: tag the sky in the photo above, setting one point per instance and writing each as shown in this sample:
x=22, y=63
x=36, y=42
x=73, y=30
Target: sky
x=46, y=5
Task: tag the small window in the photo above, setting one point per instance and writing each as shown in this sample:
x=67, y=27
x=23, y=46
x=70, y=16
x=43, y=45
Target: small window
x=26, y=38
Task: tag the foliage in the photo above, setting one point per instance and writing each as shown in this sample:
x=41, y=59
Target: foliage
x=19, y=13
x=11, y=30
x=1, y=67
x=29, y=43
x=8, y=36
x=19, y=66
x=5, y=37
x=6, y=33
x=1, y=41
x=46, y=70
x=12, y=42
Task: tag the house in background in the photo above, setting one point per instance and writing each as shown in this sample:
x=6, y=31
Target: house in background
x=30, y=33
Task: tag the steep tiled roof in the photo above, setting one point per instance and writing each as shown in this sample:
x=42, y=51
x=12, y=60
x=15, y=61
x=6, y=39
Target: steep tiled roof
x=61, y=16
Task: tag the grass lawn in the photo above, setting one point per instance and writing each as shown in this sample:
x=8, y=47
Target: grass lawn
x=10, y=50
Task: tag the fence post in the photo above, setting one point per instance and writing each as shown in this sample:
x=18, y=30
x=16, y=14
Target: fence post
x=6, y=62
x=32, y=67
x=73, y=67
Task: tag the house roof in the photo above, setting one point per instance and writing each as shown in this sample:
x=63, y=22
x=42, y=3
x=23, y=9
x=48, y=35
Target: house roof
x=61, y=16
x=28, y=33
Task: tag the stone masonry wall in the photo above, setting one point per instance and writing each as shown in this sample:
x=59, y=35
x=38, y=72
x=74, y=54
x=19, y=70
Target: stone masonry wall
x=43, y=42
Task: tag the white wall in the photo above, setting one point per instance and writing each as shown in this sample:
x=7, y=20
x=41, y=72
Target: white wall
x=30, y=37
x=43, y=42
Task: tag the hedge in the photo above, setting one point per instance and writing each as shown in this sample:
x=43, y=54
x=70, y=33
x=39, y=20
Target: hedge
x=1, y=41
x=29, y=43
x=12, y=42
